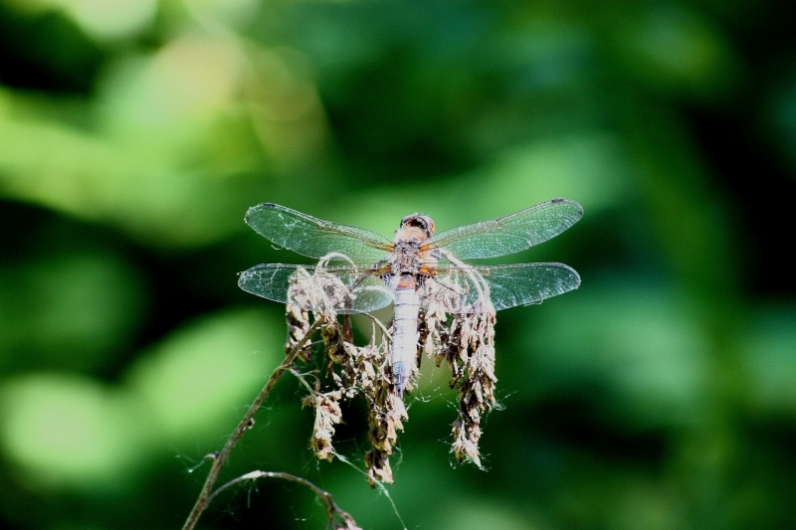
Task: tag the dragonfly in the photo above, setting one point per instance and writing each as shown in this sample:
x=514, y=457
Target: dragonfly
x=364, y=271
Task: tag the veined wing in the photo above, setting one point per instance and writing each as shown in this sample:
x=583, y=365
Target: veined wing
x=460, y=289
x=342, y=289
x=313, y=237
x=511, y=233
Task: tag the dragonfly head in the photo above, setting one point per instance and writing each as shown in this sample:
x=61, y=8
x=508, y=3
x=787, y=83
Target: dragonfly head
x=417, y=220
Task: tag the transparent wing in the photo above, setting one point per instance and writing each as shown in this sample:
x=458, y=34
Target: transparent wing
x=337, y=288
x=511, y=233
x=461, y=289
x=313, y=237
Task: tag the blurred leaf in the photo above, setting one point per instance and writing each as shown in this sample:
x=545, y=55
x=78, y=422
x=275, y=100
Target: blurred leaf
x=72, y=431
x=639, y=343
x=105, y=20
x=68, y=431
x=780, y=117
x=591, y=169
x=769, y=355
x=201, y=378
x=220, y=13
x=139, y=190
x=67, y=312
x=477, y=514
x=45, y=50
x=672, y=48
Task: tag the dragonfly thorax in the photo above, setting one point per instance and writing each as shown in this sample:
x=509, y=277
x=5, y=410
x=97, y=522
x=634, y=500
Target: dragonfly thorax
x=407, y=257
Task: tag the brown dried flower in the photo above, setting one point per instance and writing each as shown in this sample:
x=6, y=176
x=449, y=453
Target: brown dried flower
x=461, y=336
x=386, y=415
x=327, y=415
x=477, y=383
x=298, y=325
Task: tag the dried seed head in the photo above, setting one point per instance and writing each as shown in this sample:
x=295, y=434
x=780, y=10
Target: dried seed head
x=460, y=329
x=476, y=355
x=333, y=340
x=327, y=415
x=349, y=371
x=465, y=442
x=463, y=336
x=378, y=466
x=320, y=292
x=367, y=365
x=385, y=418
x=298, y=324
x=432, y=328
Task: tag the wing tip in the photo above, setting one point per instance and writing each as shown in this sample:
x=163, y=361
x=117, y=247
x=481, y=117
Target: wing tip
x=262, y=206
x=570, y=202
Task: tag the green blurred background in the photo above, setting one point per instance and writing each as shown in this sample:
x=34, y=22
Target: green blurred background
x=135, y=133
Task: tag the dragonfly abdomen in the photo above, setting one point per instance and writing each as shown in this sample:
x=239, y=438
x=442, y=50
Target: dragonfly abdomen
x=405, y=334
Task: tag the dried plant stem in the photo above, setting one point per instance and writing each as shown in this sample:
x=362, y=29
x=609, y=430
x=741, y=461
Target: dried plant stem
x=333, y=511
x=220, y=458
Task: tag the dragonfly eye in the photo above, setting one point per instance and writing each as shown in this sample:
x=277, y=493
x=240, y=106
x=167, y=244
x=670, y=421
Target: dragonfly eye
x=417, y=220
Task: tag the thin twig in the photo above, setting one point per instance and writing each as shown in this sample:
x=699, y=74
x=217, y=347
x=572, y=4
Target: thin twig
x=220, y=458
x=303, y=381
x=332, y=509
x=378, y=322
